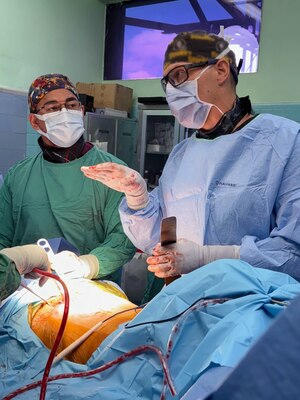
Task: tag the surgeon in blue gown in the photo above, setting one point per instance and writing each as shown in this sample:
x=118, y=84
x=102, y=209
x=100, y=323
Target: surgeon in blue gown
x=234, y=185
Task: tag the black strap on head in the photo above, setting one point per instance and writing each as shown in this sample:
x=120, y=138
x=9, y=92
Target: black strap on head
x=229, y=120
x=240, y=65
x=236, y=70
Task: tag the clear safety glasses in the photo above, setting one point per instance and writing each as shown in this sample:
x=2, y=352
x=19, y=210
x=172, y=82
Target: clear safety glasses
x=180, y=74
x=54, y=106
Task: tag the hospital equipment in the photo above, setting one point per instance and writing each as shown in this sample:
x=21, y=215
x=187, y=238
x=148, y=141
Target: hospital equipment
x=46, y=246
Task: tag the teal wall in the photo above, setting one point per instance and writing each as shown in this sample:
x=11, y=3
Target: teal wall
x=43, y=36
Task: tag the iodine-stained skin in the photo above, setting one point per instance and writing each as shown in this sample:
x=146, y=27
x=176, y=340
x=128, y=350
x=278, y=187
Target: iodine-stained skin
x=90, y=303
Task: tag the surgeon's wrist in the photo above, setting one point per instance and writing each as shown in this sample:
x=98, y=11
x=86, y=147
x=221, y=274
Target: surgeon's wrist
x=91, y=263
x=138, y=201
x=212, y=253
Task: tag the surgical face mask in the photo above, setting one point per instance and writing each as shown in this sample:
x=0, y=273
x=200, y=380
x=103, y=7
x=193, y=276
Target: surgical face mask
x=185, y=104
x=64, y=127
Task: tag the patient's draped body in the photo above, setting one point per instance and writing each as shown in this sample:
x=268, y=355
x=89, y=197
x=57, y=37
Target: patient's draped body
x=90, y=303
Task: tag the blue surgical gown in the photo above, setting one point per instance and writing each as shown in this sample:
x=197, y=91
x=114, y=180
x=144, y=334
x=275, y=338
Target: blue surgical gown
x=238, y=189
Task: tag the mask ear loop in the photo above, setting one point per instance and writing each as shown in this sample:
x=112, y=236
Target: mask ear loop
x=235, y=71
x=223, y=53
x=213, y=61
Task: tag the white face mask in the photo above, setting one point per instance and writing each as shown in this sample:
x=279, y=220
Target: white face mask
x=185, y=104
x=64, y=127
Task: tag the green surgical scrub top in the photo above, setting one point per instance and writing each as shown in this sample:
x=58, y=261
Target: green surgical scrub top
x=9, y=277
x=41, y=199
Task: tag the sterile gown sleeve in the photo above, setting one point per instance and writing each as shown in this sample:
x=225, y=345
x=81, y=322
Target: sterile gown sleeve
x=10, y=278
x=143, y=226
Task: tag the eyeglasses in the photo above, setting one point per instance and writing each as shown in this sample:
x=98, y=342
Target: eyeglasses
x=53, y=106
x=180, y=74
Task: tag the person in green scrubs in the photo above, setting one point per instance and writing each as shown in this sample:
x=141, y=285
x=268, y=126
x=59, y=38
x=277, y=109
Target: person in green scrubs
x=17, y=261
x=47, y=196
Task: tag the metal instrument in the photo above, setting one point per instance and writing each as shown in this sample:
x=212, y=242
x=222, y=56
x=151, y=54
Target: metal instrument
x=168, y=236
x=46, y=246
x=25, y=286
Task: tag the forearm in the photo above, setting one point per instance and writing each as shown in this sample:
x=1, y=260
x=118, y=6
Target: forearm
x=9, y=277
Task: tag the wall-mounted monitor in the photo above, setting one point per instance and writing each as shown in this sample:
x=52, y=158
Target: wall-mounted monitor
x=138, y=32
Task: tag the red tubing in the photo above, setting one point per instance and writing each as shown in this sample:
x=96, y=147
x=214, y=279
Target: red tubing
x=116, y=361
x=45, y=379
x=60, y=331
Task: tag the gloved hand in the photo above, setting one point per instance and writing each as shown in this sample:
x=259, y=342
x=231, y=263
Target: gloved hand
x=28, y=257
x=122, y=179
x=69, y=265
x=185, y=256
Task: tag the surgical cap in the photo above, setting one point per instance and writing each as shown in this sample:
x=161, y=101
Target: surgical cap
x=196, y=47
x=45, y=84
